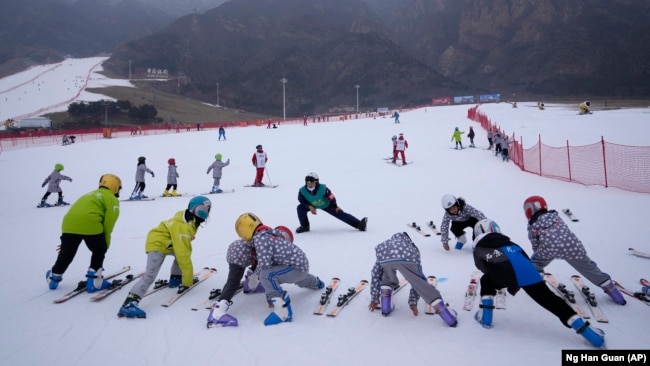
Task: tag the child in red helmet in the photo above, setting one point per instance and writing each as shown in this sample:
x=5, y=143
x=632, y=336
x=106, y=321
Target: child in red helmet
x=172, y=176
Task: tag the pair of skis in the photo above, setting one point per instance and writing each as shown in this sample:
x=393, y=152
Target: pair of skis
x=81, y=286
x=569, y=296
x=431, y=226
x=343, y=299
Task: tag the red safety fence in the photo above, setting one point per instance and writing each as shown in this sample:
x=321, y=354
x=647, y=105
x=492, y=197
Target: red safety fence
x=602, y=163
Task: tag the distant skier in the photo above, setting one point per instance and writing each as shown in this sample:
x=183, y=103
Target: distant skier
x=400, y=146
x=172, y=179
x=461, y=215
x=506, y=264
x=456, y=137
x=222, y=133
x=259, y=160
x=490, y=136
x=138, y=191
x=471, y=137
x=53, y=182
x=216, y=167
x=584, y=107
x=396, y=116
x=551, y=239
x=399, y=253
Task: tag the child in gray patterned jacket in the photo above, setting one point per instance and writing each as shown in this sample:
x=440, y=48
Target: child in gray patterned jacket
x=138, y=191
x=399, y=253
x=53, y=181
x=216, y=168
x=552, y=239
x=172, y=179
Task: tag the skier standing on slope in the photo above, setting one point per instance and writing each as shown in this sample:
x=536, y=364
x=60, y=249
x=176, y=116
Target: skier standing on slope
x=240, y=255
x=461, y=215
x=400, y=146
x=399, y=253
x=138, y=191
x=91, y=219
x=456, y=137
x=313, y=196
x=53, y=182
x=552, y=239
x=172, y=179
x=259, y=160
x=506, y=264
x=217, y=167
x=171, y=237
x=279, y=261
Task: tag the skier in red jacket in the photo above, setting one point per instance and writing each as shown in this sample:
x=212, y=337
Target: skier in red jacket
x=259, y=161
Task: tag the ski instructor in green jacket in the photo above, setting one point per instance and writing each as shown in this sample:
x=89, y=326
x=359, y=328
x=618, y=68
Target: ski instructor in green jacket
x=91, y=219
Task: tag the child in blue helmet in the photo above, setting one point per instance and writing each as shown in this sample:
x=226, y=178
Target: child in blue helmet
x=171, y=237
x=53, y=181
x=216, y=168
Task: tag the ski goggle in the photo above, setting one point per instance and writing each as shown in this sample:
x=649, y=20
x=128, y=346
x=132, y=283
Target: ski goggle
x=310, y=179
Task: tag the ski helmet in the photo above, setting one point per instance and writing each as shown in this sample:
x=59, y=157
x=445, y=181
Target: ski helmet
x=141, y=159
x=111, y=182
x=533, y=204
x=171, y=161
x=448, y=201
x=286, y=232
x=258, y=147
x=199, y=206
x=486, y=226
x=246, y=225
x=311, y=177
x=218, y=157
x=58, y=167
x=394, y=138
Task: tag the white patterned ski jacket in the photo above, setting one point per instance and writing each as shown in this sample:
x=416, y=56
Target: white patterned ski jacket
x=274, y=250
x=53, y=180
x=399, y=248
x=551, y=237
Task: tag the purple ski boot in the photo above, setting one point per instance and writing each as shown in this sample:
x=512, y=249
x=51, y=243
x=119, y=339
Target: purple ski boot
x=386, y=294
x=219, y=316
x=446, y=315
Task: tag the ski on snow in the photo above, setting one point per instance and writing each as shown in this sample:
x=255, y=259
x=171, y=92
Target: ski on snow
x=344, y=299
x=639, y=253
x=202, y=277
x=327, y=296
x=568, y=296
x=161, y=284
x=222, y=191
x=590, y=298
x=216, y=292
x=433, y=227
x=570, y=215
x=81, y=287
x=179, y=195
x=402, y=284
x=637, y=295
x=116, y=285
x=417, y=228
x=472, y=290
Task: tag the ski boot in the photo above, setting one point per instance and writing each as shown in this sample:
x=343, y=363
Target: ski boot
x=252, y=283
x=595, y=336
x=130, y=308
x=302, y=229
x=175, y=194
x=319, y=284
x=52, y=279
x=135, y=196
x=446, y=315
x=461, y=240
x=282, y=311
x=61, y=202
x=218, y=190
x=214, y=189
x=43, y=204
x=219, y=315
x=610, y=289
x=95, y=281
x=386, y=294
x=362, y=224
x=165, y=193
x=174, y=281
x=484, y=315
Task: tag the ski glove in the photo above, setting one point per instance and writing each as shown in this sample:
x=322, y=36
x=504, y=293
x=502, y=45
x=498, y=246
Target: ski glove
x=153, y=175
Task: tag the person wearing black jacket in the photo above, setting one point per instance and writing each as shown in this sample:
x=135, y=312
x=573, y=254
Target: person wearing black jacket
x=506, y=264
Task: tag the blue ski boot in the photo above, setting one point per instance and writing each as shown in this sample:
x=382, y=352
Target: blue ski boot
x=595, y=336
x=61, y=202
x=484, y=315
x=130, y=308
x=174, y=281
x=52, y=279
x=282, y=311
x=95, y=281
x=43, y=204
